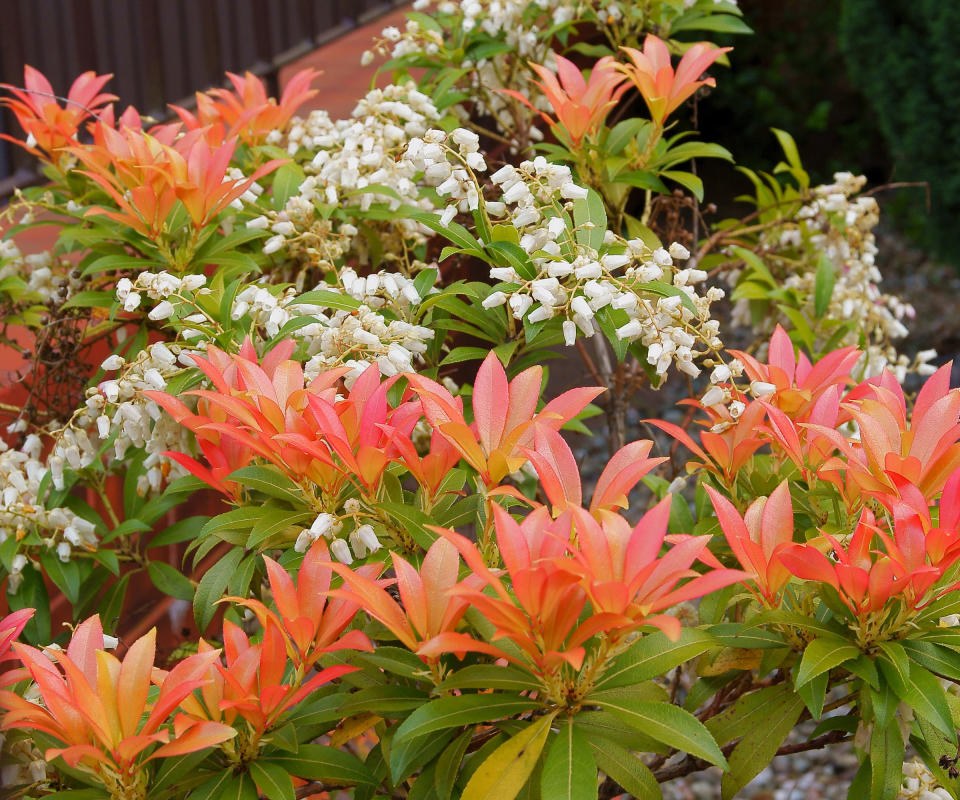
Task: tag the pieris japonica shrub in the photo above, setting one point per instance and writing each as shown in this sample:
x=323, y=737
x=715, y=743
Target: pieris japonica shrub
x=288, y=375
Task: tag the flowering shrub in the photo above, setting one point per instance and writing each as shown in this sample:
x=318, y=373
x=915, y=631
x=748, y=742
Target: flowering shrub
x=313, y=409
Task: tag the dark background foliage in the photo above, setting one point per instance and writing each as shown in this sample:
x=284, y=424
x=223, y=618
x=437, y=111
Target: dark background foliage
x=869, y=86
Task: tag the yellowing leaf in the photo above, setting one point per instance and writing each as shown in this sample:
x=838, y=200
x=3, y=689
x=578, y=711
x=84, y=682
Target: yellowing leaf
x=731, y=658
x=507, y=768
x=352, y=728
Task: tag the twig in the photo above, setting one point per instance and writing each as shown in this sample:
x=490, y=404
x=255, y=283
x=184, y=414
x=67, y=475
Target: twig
x=901, y=185
x=610, y=789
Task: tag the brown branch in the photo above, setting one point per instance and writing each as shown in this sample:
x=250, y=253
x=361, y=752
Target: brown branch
x=901, y=185
x=581, y=348
x=610, y=788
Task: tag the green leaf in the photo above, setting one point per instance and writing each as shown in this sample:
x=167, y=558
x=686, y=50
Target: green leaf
x=755, y=263
x=928, y=699
x=211, y=586
x=569, y=771
x=668, y=724
x=743, y=716
x=467, y=709
x=408, y=756
x=285, y=738
x=460, y=354
x=590, y=219
x=181, y=531
x=935, y=657
x=642, y=179
x=654, y=655
x=113, y=262
x=91, y=299
x=270, y=482
x=886, y=762
x=789, y=147
x=286, y=183
x=822, y=655
x=510, y=254
x=175, y=768
x=932, y=748
x=393, y=659
x=489, y=676
x=736, y=634
x=894, y=665
x=240, y=787
x=814, y=692
x=758, y=746
x=272, y=779
x=502, y=775
x=383, y=699
x=212, y=788
x=717, y=23
x=237, y=519
x=33, y=594
x=823, y=286
x=411, y=520
x=448, y=765
x=274, y=520
x=325, y=298
x=623, y=133
x=687, y=180
x=65, y=575
x=317, y=762
x=625, y=768
x=170, y=580
x=454, y=232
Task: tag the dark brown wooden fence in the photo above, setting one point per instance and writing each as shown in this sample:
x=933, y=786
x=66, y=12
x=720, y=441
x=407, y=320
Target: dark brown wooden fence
x=160, y=51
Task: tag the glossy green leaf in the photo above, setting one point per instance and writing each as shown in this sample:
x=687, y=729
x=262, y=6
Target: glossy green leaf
x=626, y=768
x=383, y=699
x=316, y=762
x=822, y=655
x=668, y=724
x=823, y=285
x=170, y=580
x=781, y=709
x=211, y=587
x=590, y=218
x=466, y=709
x=272, y=779
x=886, y=762
x=653, y=655
x=489, y=676
x=448, y=765
x=569, y=771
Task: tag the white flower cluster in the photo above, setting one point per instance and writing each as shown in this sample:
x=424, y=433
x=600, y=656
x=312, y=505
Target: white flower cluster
x=379, y=330
x=45, y=279
x=838, y=225
x=523, y=26
x=351, y=159
x=21, y=511
x=24, y=763
x=919, y=783
x=362, y=539
x=527, y=190
x=362, y=337
x=575, y=282
x=265, y=308
x=157, y=286
x=120, y=407
x=431, y=156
